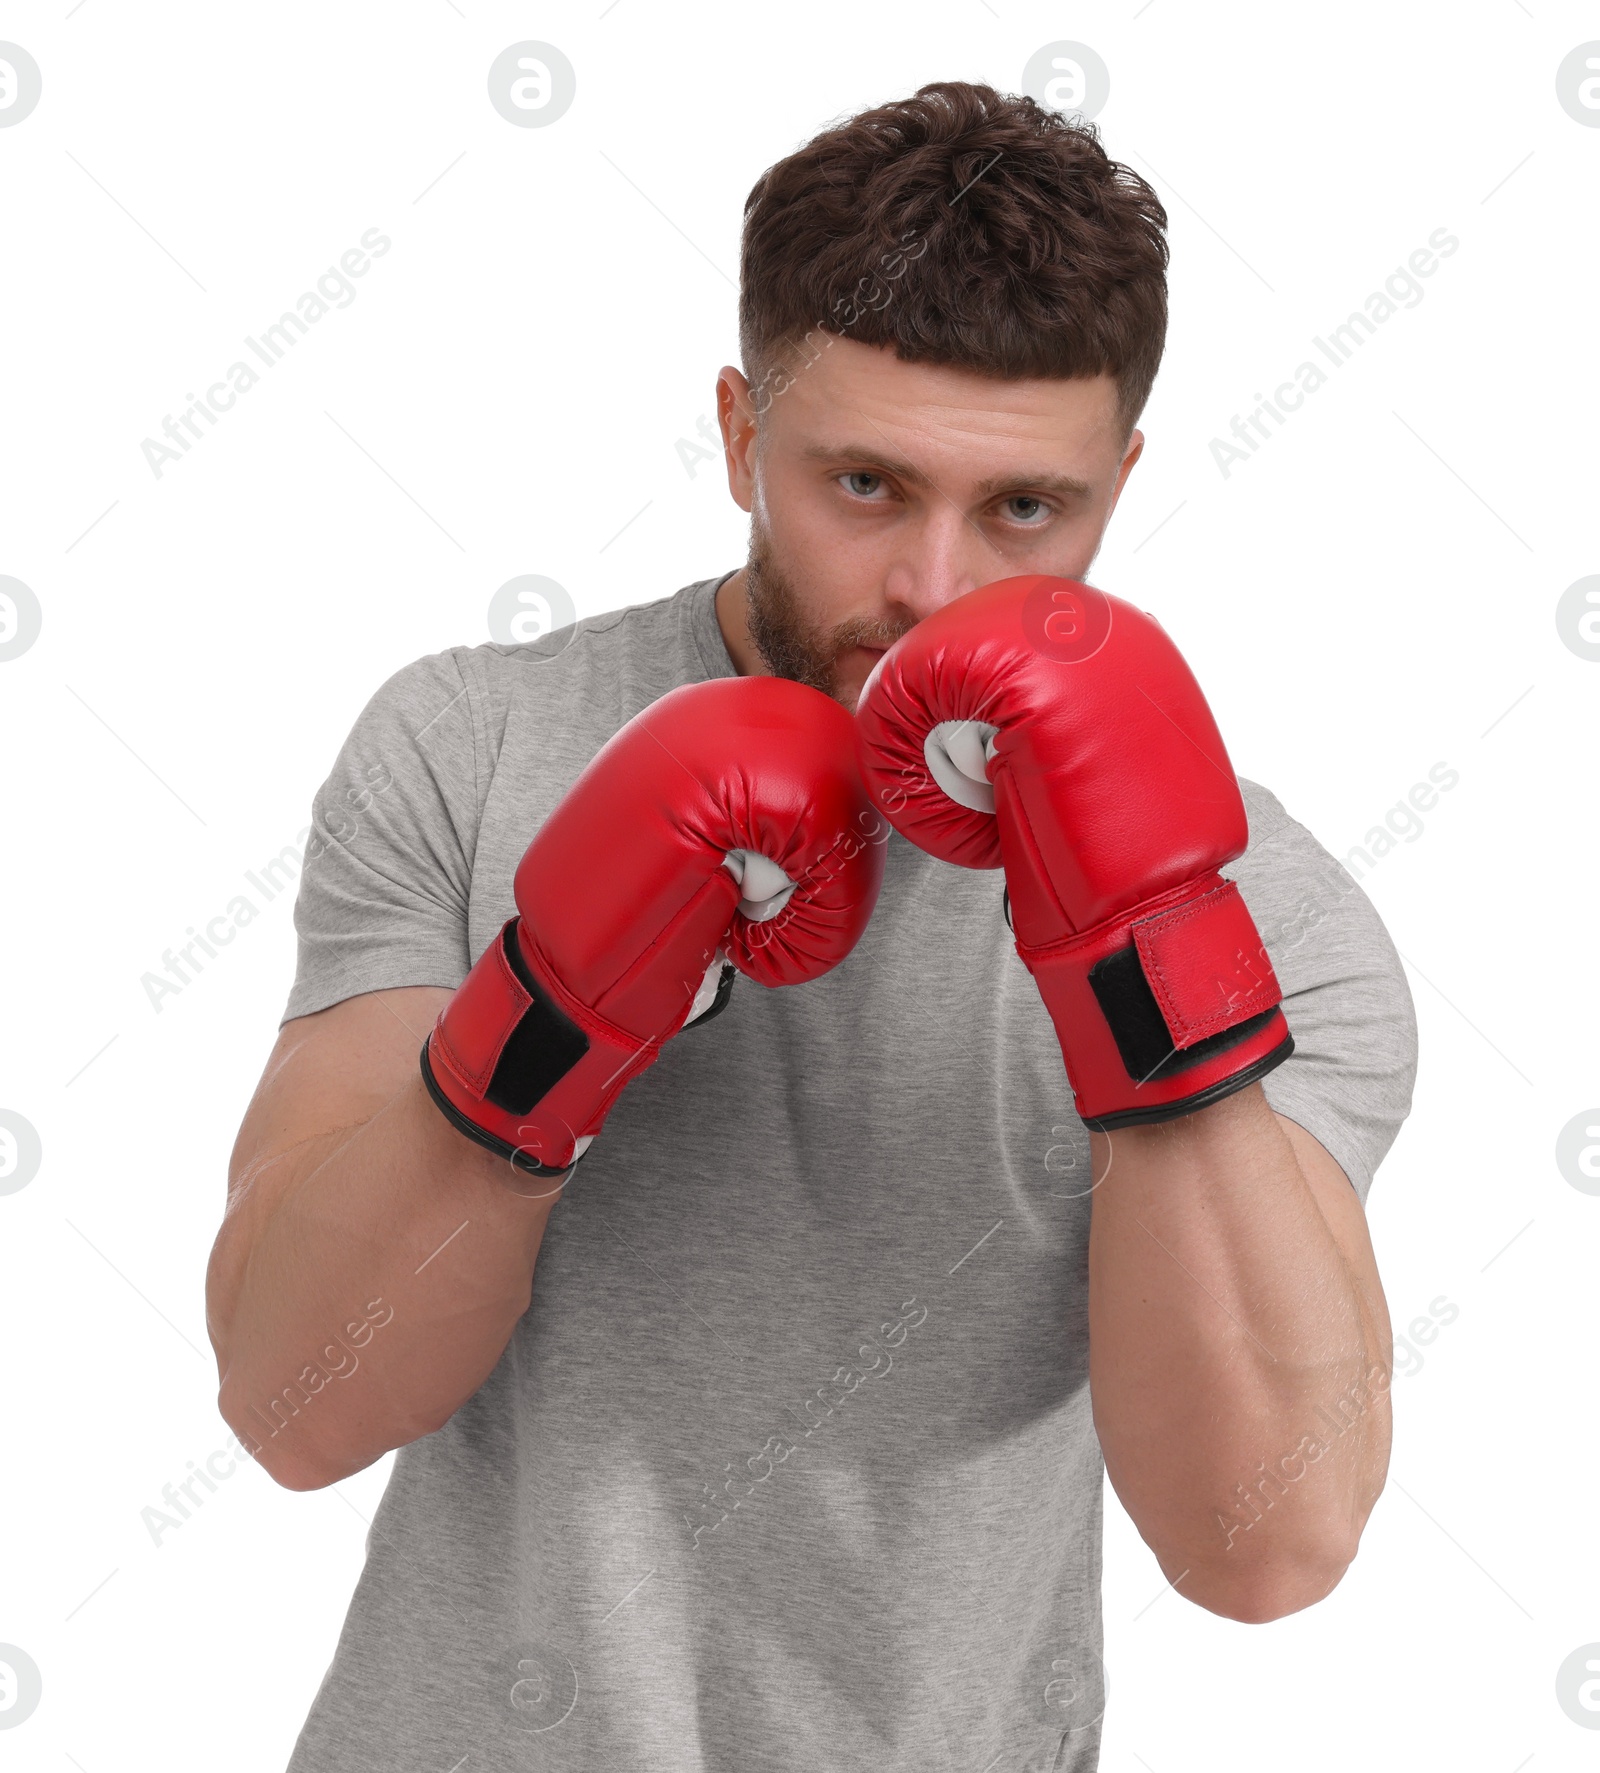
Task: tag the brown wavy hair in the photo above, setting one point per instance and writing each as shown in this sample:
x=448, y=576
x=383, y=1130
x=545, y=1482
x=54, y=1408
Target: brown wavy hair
x=962, y=226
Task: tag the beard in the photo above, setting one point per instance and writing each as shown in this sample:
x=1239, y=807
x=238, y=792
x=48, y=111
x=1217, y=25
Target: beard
x=790, y=644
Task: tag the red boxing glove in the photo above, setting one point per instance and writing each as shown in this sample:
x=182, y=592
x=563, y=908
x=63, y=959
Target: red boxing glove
x=1041, y=725
x=726, y=823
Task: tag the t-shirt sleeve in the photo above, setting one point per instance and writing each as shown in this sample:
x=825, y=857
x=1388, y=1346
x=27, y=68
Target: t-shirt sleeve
x=384, y=888
x=1345, y=996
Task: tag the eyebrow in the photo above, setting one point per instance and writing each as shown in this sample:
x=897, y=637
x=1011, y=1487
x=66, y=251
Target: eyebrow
x=991, y=486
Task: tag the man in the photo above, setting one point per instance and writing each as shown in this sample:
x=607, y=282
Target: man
x=790, y=1453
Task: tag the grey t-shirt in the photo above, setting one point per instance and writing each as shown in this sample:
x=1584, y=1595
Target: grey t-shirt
x=789, y=1463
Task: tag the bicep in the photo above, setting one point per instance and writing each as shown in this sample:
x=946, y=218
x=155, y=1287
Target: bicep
x=331, y=1071
x=1345, y=1217
x=327, y=1075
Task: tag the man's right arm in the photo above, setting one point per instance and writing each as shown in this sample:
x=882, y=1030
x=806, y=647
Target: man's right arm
x=372, y=1263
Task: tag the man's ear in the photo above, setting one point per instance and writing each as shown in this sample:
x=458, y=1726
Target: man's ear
x=1130, y=455
x=738, y=422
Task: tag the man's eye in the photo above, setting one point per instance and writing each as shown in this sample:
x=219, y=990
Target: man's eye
x=863, y=485
x=1026, y=509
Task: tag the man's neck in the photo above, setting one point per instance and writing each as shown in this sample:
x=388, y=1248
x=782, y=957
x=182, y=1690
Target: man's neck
x=731, y=619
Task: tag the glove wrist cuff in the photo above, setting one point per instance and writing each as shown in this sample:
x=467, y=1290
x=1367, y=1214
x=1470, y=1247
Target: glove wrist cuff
x=513, y=1070
x=1164, y=1008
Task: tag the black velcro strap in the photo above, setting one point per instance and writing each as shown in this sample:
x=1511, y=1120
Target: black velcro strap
x=543, y=1047
x=516, y=1155
x=1139, y=1029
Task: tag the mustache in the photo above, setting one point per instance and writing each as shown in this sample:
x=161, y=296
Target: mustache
x=865, y=633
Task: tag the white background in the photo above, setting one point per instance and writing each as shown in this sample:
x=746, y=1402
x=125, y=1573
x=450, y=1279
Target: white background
x=1372, y=593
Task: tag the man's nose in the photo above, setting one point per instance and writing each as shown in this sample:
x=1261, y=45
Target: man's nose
x=943, y=561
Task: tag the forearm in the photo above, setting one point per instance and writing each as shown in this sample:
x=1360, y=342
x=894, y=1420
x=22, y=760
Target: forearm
x=1239, y=1378
x=378, y=1295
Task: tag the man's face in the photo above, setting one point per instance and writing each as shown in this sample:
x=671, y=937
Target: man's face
x=879, y=491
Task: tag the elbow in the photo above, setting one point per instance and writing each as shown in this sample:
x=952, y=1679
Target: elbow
x=1257, y=1596
x=280, y=1442
x=292, y=1470
x=288, y=1467
x=287, y=1459
x=295, y=1474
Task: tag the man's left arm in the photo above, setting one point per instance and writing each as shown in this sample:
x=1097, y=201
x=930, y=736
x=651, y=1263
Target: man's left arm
x=1235, y=1316
x=1240, y=1347
x=1239, y=1353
